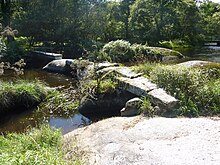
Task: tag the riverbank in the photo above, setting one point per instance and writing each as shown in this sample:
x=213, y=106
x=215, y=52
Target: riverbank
x=140, y=140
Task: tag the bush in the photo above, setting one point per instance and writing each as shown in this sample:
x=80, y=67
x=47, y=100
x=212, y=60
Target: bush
x=119, y=51
x=16, y=50
x=123, y=51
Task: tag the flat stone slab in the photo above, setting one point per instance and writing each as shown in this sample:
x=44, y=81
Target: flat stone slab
x=139, y=86
x=122, y=71
x=162, y=99
x=103, y=65
x=53, y=56
x=194, y=63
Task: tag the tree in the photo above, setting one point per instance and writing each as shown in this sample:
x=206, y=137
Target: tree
x=6, y=12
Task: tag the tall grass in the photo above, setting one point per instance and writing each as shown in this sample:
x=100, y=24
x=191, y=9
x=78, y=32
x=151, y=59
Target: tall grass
x=20, y=95
x=36, y=147
x=198, y=89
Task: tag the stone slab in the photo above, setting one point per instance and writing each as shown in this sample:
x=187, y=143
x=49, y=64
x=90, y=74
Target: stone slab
x=139, y=86
x=53, y=56
x=162, y=99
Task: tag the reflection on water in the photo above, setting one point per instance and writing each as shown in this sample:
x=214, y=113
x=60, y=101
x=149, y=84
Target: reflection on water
x=69, y=124
x=209, y=53
x=22, y=122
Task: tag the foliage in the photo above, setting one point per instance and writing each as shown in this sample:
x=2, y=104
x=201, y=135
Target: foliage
x=196, y=88
x=13, y=49
x=146, y=108
x=38, y=146
x=15, y=96
x=123, y=51
x=174, y=44
x=72, y=25
x=65, y=101
x=119, y=50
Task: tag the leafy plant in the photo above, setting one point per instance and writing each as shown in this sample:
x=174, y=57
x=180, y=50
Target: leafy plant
x=146, y=107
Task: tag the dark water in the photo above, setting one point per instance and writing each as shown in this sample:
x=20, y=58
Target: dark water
x=21, y=122
x=209, y=53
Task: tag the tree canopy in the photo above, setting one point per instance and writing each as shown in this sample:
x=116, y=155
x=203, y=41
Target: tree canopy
x=78, y=24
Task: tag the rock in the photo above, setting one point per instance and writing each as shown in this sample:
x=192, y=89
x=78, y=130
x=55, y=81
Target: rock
x=103, y=65
x=164, y=101
x=59, y=66
x=82, y=69
x=194, y=63
x=139, y=86
x=109, y=104
x=122, y=71
x=144, y=141
x=47, y=55
x=131, y=107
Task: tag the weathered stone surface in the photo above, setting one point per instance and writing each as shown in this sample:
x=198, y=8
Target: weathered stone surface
x=139, y=86
x=59, y=66
x=103, y=65
x=122, y=71
x=53, y=56
x=143, y=141
x=194, y=63
x=131, y=107
x=162, y=99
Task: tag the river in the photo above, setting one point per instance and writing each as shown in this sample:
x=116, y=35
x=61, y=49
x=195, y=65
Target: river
x=68, y=122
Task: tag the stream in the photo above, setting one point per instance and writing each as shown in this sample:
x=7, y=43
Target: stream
x=68, y=122
x=22, y=122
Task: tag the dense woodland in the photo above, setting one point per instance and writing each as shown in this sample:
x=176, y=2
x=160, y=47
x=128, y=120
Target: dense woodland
x=75, y=25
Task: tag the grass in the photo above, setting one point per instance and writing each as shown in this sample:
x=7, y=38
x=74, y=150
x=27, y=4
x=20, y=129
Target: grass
x=64, y=101
x=38, y=146
x=20, y=95
x=198, y=88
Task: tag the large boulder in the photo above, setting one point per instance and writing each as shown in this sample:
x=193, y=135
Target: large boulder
x=59, y=66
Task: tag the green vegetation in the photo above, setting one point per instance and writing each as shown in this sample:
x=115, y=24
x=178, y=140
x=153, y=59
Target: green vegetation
x=21, y=95
x=196, y=88
x=123, y=51
x=73, y=26
x=65, y=101
x=37, y=146
x=146, y=107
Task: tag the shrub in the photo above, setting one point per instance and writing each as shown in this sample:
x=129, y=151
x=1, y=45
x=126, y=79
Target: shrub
x=16, y=49
x=119, y=51
x=123, y=51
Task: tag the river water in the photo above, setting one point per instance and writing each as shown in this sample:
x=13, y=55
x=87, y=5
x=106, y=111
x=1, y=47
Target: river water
x=69, y=122
x=22, y=122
